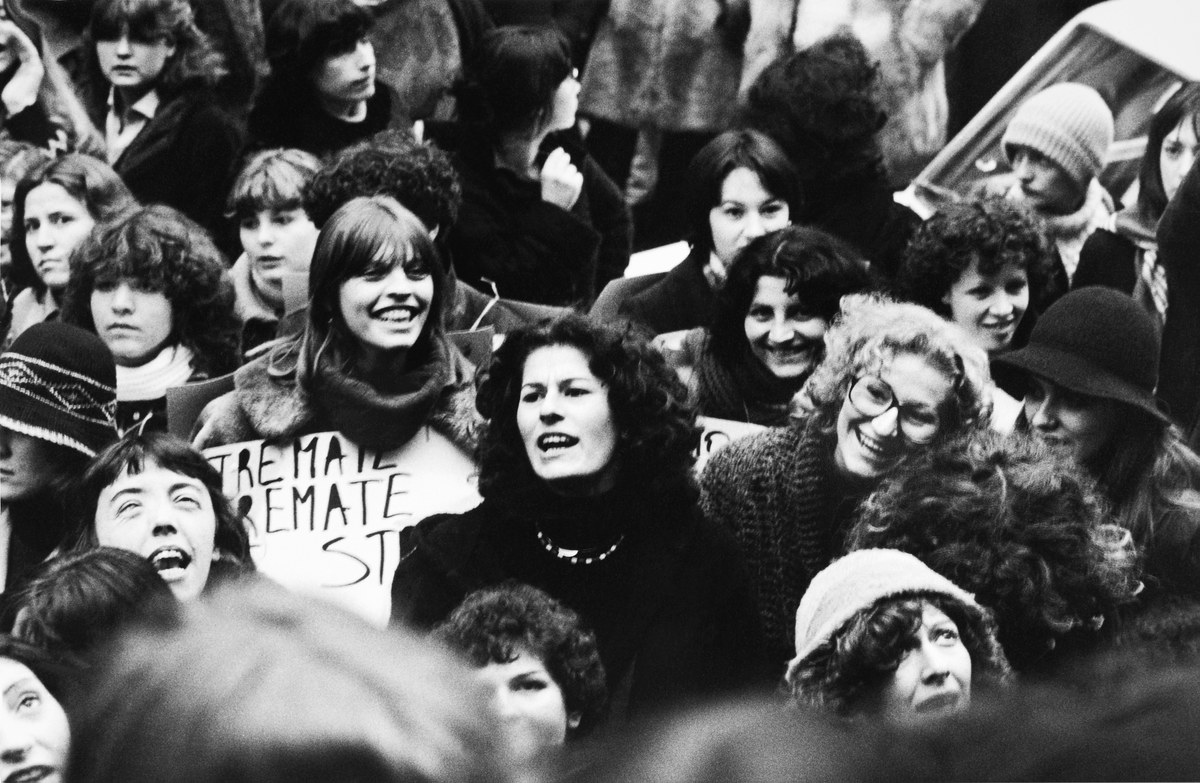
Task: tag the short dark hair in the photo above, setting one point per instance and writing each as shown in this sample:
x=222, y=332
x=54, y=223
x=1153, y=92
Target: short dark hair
x=162, y=250
x=737, y=149
x=131, y=455
x=496, y=624
x=1017, y=524
x=1183, y=104
x=846, y=673
x=995, y=232
x=301, y=34
x=818, y=268
x=656, y=424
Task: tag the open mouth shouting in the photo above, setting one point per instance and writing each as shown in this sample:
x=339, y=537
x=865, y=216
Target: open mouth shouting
x=554, y=443
x=171, y=562
x=32, y=774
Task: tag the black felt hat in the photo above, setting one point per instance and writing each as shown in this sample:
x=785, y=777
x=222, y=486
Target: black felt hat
x=1094, y=341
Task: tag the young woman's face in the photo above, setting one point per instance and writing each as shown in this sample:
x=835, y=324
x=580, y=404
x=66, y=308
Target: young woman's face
x=933, y=678
x=166, y=517
x=564, y=104
x=870, y=445
x=1179, y=149
x=386, y=307
x=347, y=78
x=133, y=66
x=989, y=307
x=785, y=339
x=134, y=323
x=566, y=422
x=746, y=211
x=1045, y=185
x=277, y=241
x=530, y=704
x=26, y=465
x=55, y=222
x=34, y=734
x=1077, y=423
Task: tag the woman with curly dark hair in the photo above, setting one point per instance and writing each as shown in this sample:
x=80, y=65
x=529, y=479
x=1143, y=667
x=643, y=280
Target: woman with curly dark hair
x=153, y=494
x=880, y=634
x=373, y=361
x=1089, y=375
x=155, y=288
x=895, y=379
x=165, y=131
x=585, y=472
x=1021, y=528
x=537, y=659
x=821, y=106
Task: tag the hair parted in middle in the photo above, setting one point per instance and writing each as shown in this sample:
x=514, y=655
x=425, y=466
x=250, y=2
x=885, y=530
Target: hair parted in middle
x=1184, y=104
x=873, y=329
x=656, y=425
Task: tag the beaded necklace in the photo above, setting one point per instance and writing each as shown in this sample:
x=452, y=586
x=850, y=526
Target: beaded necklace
x=579, y=556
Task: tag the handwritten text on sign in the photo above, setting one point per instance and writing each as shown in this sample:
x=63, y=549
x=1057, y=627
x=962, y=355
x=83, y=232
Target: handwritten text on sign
x=326, y=514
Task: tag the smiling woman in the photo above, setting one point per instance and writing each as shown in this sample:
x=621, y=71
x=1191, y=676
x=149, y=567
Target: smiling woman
x=373, y=362
x=585, y=470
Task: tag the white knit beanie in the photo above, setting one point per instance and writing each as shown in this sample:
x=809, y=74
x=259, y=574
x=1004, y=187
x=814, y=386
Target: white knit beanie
x=1068, y=123
x=856, y=582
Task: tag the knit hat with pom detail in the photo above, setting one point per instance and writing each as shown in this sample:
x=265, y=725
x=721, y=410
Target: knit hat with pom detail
x=1068, y=123
x=857, y=582
x=58, y=383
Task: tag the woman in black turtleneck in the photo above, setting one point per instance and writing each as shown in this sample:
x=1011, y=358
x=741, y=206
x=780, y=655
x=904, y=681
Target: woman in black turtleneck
x=585, y=471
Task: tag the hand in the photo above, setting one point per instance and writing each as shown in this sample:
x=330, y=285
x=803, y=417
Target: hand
x=561, y=181
x=21, y=90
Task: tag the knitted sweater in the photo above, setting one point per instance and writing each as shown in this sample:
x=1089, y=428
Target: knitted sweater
x=780, y=495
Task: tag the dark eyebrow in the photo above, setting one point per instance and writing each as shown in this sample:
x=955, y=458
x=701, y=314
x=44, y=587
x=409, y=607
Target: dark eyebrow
x=21, y=683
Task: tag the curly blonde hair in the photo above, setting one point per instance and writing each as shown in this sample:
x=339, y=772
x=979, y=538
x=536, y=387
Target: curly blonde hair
x=871, y=330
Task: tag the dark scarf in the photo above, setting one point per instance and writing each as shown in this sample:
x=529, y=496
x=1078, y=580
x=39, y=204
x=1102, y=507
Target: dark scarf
x=744, y=390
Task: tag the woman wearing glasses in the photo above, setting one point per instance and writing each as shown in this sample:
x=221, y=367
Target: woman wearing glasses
x=895, y=379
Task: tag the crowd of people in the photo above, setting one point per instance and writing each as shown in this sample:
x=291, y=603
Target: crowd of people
x=956, y=536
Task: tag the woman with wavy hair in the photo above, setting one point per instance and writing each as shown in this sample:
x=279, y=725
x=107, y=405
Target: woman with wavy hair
x=155, y=288
x=1019, y=526
x=373, y=361
x=585, y=472
x=895, y=380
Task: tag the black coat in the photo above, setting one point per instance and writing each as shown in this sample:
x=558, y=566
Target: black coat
x=681, y=300
x=1179, y=253
x=671, y=606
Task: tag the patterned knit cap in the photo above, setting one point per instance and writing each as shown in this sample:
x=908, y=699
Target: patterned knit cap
x=1068, y=123
x=857, y=582
x=58, y=383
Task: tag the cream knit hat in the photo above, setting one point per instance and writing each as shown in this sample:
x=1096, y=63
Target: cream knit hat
x=856, y=582
x=1068, y=123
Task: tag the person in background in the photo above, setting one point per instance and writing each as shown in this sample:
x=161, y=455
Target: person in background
x=1178, y=237
x=821, y=106
x=537, y=659
x=154, y=495
x=322, y=94
x=166, y=134
x=740, y=186
x=258, y=684
x=155, y=288
x=896, y=379
x=35, y=736
x=1057, y=143
x=58, y=407
x=373, y=361
x=540, y=219
x=880, y=635
x=74, y=603
x=17, y=158
x=1124, y=254
x=277, y=236
x=588, y=494
x=768, y=333
x=1089, y=374
x=55, y=205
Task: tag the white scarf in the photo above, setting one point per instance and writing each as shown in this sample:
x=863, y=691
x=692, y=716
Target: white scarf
x=150, y=381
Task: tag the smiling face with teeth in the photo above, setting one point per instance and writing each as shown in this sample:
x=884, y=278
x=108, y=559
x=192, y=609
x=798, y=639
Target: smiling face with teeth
x=165, y=516
x=386, y=307
x=867, y=447
x=566, y=422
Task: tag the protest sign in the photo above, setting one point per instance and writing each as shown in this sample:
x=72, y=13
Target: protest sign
x=325, y=514
x=719, y=433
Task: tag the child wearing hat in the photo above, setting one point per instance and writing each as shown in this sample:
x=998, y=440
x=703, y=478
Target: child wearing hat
x=1057, y=143
x=58, y=405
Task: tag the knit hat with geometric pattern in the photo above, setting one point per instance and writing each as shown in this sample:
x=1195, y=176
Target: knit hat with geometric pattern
x=58, y=383
x=1068, y=123
x=857, y=582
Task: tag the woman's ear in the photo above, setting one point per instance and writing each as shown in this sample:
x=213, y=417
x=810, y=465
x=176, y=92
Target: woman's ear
x=574, y=719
